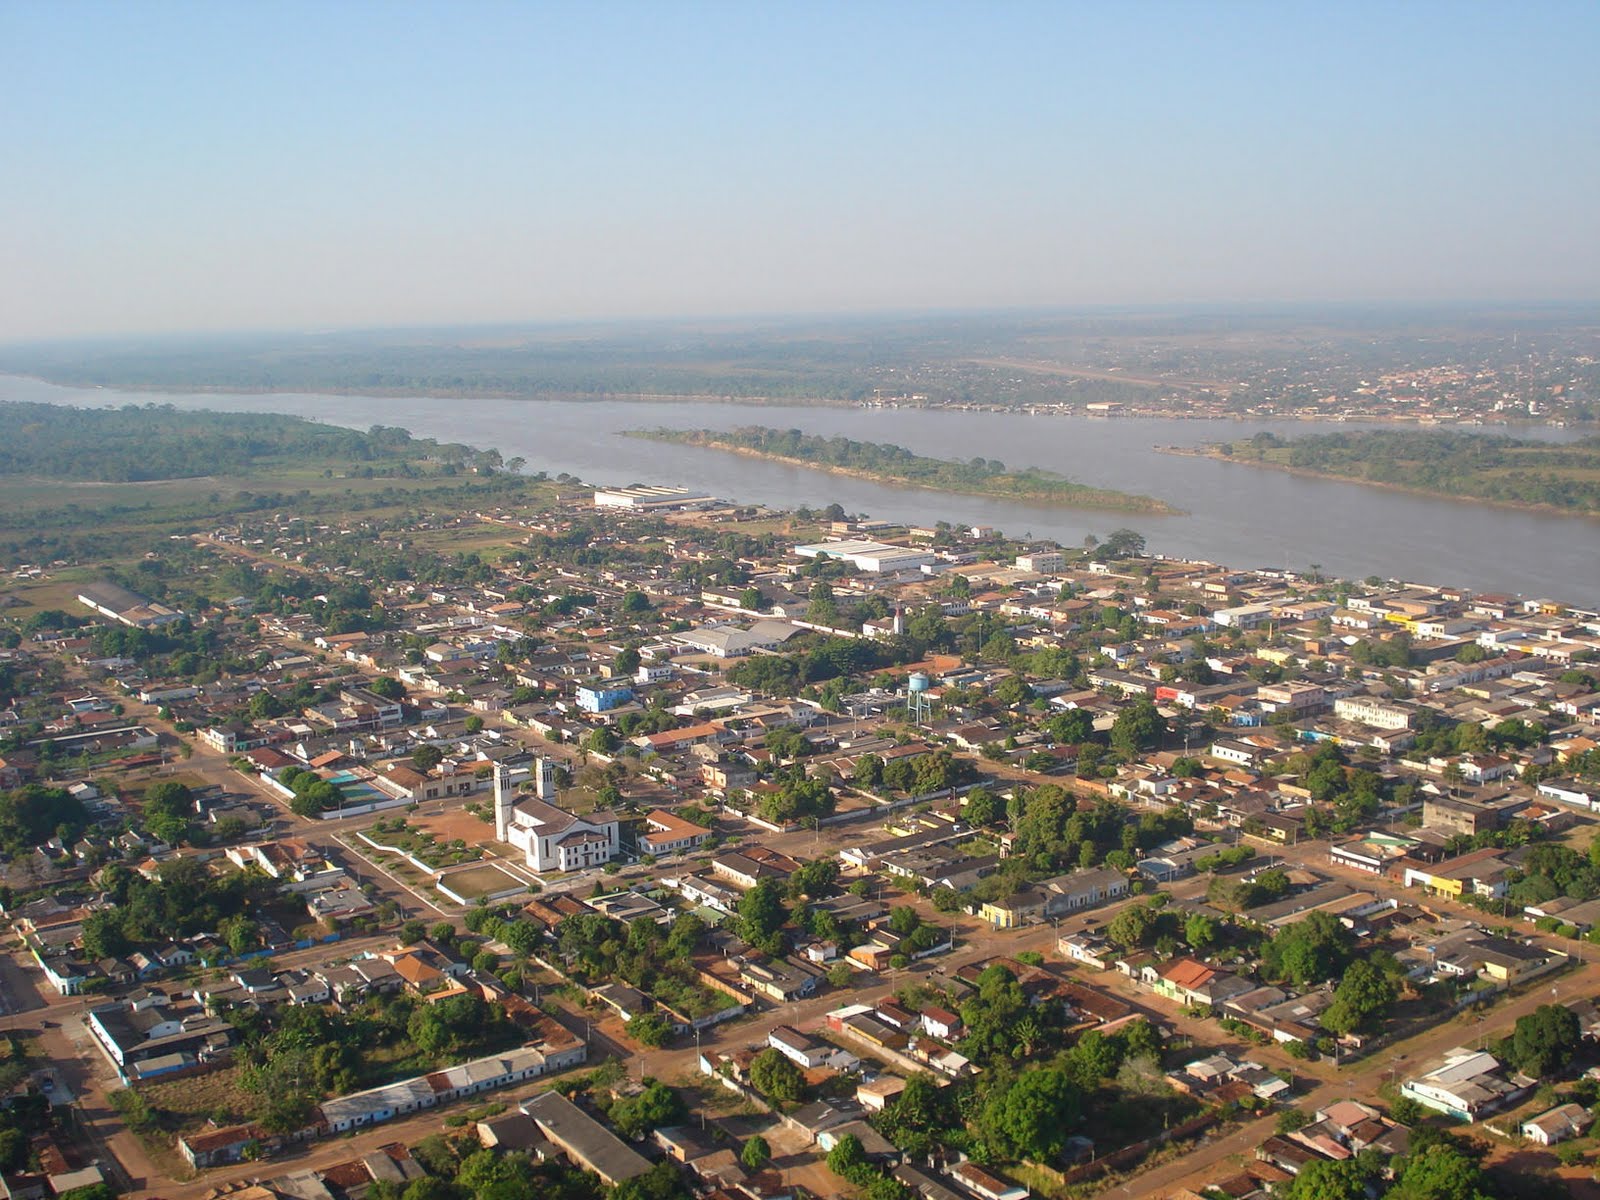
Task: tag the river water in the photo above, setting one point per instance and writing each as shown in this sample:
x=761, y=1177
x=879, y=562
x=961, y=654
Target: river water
x=1237, y=515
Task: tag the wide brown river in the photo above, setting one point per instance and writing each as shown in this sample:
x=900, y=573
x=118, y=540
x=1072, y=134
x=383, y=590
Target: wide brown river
x=1238, y=515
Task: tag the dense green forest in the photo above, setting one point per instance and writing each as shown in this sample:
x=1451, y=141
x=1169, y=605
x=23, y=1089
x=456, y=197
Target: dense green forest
x=142, y=443
x=1470, y=465
x=889, y=463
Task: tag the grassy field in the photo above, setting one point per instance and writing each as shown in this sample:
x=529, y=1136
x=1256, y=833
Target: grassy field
x=471, y=882
x=187, y=1104
x=119, y=522
x=467, y=539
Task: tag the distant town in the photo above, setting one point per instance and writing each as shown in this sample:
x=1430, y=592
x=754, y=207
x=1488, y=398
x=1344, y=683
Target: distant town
x=1539, y=364
x=629, y=842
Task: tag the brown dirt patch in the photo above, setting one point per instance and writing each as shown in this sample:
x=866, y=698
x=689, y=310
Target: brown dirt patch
x=454, y=822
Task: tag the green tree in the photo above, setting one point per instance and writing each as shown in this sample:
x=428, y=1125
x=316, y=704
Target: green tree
x=1071, y=727
x=1094, y=1057
x=1012, y=691
x=1137, y=727
x=168, y=809
x=822, y=608
x=847, y=1156
x=815, y=878
x=982, y=807
x=1440, y=1171
x=430, y=1188
x=103, y=935
x=1033, y=1115
x=868, y=773
x=655, y=1106
x=1312, y=950
x=1321, y=1179
x=649, y=1029
x=385, y=686
x=1200, y=931
x=761, y=914
x=1544, y=1040
x=660, y=1182
x=426, y=758
x=776, y=1078
x=1132, y=927
x=755, y=1153
x=91, y=1191
x=1363, y=996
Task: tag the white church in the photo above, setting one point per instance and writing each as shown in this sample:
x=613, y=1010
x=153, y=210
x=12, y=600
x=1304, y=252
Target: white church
x=550, y=838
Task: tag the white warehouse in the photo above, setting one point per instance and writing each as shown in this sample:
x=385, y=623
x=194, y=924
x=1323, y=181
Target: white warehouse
x=873, y=557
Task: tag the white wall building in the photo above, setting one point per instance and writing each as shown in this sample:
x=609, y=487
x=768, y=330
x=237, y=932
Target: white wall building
x=872, y=557
x=550, y=838
x=1373, y=711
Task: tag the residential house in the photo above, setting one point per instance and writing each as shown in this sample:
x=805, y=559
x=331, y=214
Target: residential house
x=1560, y=1123
x=986, y=1185
x=670, y=834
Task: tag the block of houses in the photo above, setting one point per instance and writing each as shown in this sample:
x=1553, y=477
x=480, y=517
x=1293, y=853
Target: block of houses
x=1479, y=873
x=1091, y=949
x=232, y=1143
x=1058, y=897
x=407, y=783
x=923, y=1185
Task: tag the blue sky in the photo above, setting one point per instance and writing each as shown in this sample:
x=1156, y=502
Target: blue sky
x=172, y=166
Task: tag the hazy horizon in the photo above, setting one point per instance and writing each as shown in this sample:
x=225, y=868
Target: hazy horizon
x=185, y=169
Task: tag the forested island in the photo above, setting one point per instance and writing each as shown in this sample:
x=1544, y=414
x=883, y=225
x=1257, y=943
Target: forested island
x=1499, y=470
x=143, y=443
x=884, y=462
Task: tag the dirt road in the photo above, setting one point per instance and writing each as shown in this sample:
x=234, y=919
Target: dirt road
x=1360, y=1081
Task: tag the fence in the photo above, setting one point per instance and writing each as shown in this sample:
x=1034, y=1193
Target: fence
x=1128, y=1155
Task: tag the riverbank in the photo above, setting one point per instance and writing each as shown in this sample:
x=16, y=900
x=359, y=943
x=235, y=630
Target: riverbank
x=1213, y=452
x=1232, y=516
x=1032, y=485
x=1130, y=413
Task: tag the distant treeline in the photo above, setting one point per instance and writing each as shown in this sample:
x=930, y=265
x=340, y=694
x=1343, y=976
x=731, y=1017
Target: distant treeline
x=895, y=464
x=844, y=362
x=1471, y=465
x=135, y=444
